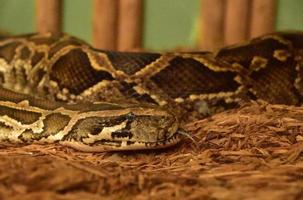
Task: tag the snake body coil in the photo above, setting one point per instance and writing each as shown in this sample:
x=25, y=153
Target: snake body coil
x=65, y=69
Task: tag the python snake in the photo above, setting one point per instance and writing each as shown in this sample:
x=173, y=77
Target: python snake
x=54, y=88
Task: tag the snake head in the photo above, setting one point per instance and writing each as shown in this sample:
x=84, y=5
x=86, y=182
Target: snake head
x=132, y=127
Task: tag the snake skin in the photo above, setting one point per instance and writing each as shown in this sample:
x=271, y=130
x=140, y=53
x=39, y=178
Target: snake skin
x=66, y=69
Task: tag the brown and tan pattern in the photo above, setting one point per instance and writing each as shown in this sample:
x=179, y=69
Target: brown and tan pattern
x=201, y=83
x=87, y=127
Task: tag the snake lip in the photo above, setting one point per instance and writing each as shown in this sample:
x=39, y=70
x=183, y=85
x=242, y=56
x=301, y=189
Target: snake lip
x=172, y=140
x=138, y=145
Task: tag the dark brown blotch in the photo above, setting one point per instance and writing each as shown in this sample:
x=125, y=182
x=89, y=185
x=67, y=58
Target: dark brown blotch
x=22, y=116
x=54, y=123
x=38, y=56
x=129, y=62
x=25, y=53
x=8, y=51
x=8, y=95
x=186, y=76
x=75, y=72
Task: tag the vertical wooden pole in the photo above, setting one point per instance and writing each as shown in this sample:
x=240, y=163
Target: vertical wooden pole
x=105, y=21
x=212, y=24
x=263, y=17
x=237, y=21
x=49, y=16
x=130, y=24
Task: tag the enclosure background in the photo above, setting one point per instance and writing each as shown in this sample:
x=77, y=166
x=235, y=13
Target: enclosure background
x=167, y=23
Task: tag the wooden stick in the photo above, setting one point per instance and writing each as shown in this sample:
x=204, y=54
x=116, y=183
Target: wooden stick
x=212, y=24
x=105, y=20
x=263, y=17
x=130, y=24
x=49, y=16
x=236, y=21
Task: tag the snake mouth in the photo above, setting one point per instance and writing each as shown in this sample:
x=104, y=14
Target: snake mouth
x=143, y=145
x=171, y=141
x=110, y=145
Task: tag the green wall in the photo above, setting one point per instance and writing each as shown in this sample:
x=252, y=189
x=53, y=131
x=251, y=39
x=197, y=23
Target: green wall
x=78, y=18
x=17, y=16
x=290, y=15
x=168, y=23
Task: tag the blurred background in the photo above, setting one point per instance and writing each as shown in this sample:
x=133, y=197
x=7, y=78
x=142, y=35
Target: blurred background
x=162, y=24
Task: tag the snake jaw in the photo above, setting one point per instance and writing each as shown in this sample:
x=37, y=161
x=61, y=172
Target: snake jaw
x=107, y=146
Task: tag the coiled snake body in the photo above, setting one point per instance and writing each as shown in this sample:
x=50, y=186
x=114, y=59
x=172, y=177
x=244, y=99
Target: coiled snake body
x=65, y=69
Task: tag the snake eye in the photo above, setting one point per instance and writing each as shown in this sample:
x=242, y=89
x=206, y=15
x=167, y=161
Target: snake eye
x=130, y=116
x=96, y=130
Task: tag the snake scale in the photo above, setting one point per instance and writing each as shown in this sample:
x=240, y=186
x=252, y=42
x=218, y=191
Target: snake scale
x=54, y=89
